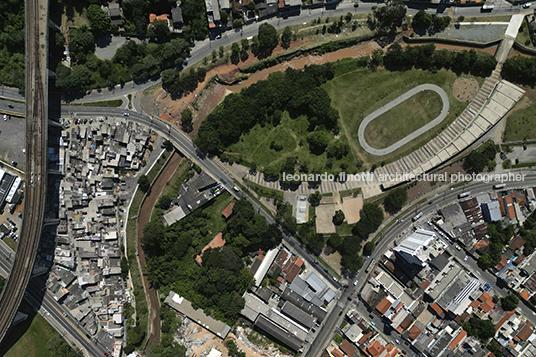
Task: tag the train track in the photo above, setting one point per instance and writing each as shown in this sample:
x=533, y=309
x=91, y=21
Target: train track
x=36, y=141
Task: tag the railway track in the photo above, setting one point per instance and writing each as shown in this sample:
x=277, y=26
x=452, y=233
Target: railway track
x=36, y=141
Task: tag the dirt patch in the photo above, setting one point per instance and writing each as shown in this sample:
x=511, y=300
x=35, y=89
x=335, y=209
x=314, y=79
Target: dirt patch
x=351, y=206
x=324, y=218
x=333, y=257
x=465, y=89
x=199, y=341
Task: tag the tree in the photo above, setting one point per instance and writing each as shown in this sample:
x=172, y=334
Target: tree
x=376, y=59
x=164, y=202
x=421, y=20
x=136, y=335
x=387, y=19
x=338, y=218
x=314, y=198
x=351, y=262
x=268, y=39
x=186, y=120
x=482, y=329
x=81, y=44
x=286, y=37
x=368, y=248
x=235, y=53
x=124, y=268
x=395, y=200
x=509, y=302
x=318, y=141
x=144, y=183
x=224, y=16
x=335, y=240
x=159, y=32
x=338, y=150
x=251, y=6
x=237, y=23
x=244, y=44
x=98, y=20
x=461, y=18
x=195, y=18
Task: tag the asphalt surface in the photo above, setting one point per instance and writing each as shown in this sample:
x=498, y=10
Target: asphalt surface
x=423, y=129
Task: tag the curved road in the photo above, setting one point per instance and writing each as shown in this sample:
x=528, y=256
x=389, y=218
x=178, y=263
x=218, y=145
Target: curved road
x=394, y=103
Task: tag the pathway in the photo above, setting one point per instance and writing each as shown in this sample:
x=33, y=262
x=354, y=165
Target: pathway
x=144, y=217
x=423, y=129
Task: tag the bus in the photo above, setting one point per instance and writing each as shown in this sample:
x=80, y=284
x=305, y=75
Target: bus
x=464, y=194
x=499, y=186
x=371, y=265
x=419, y=215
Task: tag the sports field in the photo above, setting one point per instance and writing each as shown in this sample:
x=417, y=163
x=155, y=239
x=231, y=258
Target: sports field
x=520, y=125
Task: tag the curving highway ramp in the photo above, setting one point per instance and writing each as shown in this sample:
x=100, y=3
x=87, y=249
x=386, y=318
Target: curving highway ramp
x=392, y=104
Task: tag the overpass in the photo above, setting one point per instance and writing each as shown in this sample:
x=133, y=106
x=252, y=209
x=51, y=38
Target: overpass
x=36, y=14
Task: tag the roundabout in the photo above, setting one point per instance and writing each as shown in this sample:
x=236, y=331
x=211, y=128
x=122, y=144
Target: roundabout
x=369, y=118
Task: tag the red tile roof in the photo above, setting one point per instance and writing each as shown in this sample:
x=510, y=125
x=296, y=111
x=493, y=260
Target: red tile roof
x=438, y=310
x=519, y=259
x=509, y=203
x=504, y=319
x=364, y=338
x=337, y=353
x=502, y=264
x=228, y=210
x=425, y=284
x=348, y=347
x=525, y=332
x=153, y=18
x=481, y=244
x=292, y=274
x=375, y=348
x=383, y=306
x=457, y=340
x=414, y=331
x=516, y=243
x=501, y=207
x=524, y=294
x=216, y=242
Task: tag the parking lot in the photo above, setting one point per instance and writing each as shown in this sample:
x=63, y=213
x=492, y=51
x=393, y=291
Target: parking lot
x=12, y=140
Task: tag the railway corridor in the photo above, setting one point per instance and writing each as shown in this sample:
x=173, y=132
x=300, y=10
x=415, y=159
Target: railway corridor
x=36, y=144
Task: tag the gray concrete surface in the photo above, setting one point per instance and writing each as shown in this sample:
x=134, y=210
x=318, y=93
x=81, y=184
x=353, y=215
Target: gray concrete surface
x=477, y=32
x=12, y=140
x=108, y=45
x=394, y=103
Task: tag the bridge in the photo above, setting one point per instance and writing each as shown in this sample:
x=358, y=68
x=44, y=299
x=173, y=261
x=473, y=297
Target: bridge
x=36, y=144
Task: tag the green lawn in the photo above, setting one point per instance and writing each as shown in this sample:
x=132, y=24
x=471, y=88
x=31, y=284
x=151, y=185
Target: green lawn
x=403, y=119
x=520, y=125
x=523, y=36
x=213, y=210
x=360, y=92
x=265, y=191
x=104, y=103
x=30, y=338
x=291, y=135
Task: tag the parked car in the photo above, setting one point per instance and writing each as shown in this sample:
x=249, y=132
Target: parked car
x=527, y=5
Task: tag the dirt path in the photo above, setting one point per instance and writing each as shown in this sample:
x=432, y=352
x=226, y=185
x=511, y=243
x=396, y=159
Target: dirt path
x=144, y=218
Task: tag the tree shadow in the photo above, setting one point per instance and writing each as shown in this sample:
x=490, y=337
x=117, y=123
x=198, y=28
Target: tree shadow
x=104, y=40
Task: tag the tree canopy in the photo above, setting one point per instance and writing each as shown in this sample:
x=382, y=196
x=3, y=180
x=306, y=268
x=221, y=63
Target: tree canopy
x=386, y=19
x=509, y=302
x=98, y=20
x=482, y=329
x=268, y=39
x=395, y=200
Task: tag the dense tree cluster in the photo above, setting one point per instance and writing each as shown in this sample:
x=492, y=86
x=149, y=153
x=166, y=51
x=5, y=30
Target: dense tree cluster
x=177, y=83
x=369, y=221
x=285, y=218
x=98, y=20
x=482, y=158
x=233, y=348
x=297, y=91
x=427, y=57
x=386, y=19
x=528, y=233
x=218, y=284
x=499, y=237
x=424, y=21
x=338, y=217
x=138, y=62
x=481, y=329
x=12, y=43
x=509, y=302
x=395, y=200
x=268, y=39
x=520, y=69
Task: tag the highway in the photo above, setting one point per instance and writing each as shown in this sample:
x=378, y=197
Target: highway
x=36, y=144
x=40, y=298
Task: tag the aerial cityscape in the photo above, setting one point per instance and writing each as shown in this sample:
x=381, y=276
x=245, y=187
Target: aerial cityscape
x=239, y=178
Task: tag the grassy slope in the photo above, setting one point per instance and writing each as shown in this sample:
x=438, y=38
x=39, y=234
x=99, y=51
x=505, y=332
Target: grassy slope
x=520, y=125
x=403, y=119
x=359, y=93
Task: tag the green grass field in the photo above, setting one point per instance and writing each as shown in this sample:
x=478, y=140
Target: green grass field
x=104, y=103
x=31, y=337
x=213, y=210
x=360, y=92
x=520, y=125
x=291, y=135
x=403, y=119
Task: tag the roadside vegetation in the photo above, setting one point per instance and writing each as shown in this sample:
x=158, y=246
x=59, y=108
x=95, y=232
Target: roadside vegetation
x=12, y=43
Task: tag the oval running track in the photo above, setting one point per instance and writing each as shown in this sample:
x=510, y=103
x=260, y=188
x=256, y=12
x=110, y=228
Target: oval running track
x=394, y=103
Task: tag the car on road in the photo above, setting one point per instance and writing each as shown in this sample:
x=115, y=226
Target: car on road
x=527, y=5
x=371, y=316
x=458, y=247
x=397, y=341
x=404, y=352
x=11, y=106
x=349, y=298
x=355, y=282
x=127, y=114
x=373, y=323
x=236, y=188
x=14, y=163
x=5, y=117
x=218, y=37
x=465, y=259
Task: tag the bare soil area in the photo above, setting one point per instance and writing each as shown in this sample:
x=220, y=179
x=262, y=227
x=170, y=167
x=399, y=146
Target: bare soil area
x=465, y=89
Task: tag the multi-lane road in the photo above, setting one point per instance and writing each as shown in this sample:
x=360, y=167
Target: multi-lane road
x=36, y=145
